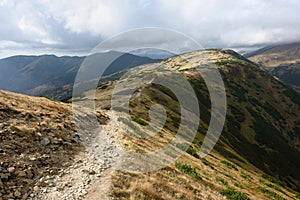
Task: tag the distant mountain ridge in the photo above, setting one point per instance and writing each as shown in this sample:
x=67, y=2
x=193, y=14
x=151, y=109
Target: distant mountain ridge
x=53, y=76
x=275, y=55
x=282, y=61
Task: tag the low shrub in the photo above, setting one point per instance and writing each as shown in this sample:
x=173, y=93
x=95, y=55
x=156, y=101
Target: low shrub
x=188, y=169
x=192, y=152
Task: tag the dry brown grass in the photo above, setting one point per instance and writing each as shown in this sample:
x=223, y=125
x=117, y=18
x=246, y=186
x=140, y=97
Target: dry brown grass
x=170, y=182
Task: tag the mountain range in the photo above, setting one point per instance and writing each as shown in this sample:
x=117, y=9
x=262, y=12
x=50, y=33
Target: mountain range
x=282, y=61
x=256, y=157
x=22, y=74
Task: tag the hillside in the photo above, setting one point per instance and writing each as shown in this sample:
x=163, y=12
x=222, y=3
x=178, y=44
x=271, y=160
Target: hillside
x=282, y=61
x=257, y=156
x=260, y=139
x=273, y=56
x=22, y=74
x=37, y=139
x=39, y=142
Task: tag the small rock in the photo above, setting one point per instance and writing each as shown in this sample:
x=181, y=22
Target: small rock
x=45, y=141
x=35, y=188
x=11, y=169
x=4, y=176
x=32, y=158
x=51, y=185
x=50, y=134
x=17, y=193
x=21, y=174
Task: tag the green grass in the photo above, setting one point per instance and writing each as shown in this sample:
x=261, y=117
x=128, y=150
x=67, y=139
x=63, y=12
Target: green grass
x=298, y=196
x=188, y=169
x=237, y=184
x=205, y=162
x=229, y=165
x=246, y=176
x=192, y=152
x=271, y=193
x=232, y=62
x=221, y=180
x=273, y=179
x=233, y=194
x=139, y=121
x=274, y=186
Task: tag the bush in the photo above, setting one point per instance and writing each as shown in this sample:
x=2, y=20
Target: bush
x=232, y=194
x=192, y=152
x=188, y=169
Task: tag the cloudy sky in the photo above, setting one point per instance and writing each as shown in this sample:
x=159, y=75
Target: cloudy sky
x=75, y=27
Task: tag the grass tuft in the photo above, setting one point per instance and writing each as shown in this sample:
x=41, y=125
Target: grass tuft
x=229, y=165
x=139, y=121
x=271, y=193
x=188, y=169
x=233, y=194
x=221, y=180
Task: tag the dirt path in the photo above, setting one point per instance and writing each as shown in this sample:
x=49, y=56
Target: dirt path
x=89, y=176
x=99, y=189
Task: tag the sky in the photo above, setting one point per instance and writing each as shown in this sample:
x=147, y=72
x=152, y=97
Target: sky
x=75, y=27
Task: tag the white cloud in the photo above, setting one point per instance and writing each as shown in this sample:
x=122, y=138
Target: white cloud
x=78, y=25
x=227, y=23
x=94, y=16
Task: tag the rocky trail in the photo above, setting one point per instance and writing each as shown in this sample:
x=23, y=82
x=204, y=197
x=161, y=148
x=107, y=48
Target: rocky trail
x=43, y=155
x=89, y=176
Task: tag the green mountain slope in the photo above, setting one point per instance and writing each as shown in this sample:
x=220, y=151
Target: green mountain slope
x=289, y=74
x=260, y=137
